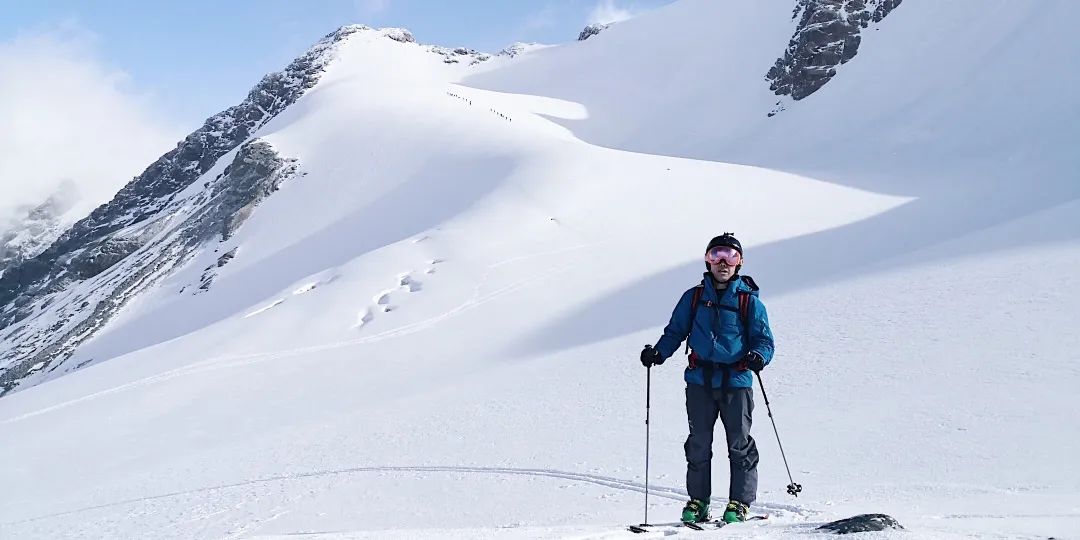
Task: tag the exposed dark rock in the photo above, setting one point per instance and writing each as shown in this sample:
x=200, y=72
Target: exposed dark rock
x=99, y=257
x=224, y=259
x=591, y=31
x=827, y=35
x=862, y=523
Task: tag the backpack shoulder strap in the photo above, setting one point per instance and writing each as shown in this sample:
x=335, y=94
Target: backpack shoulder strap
x=694, y=300
x=744, y=307
x=744, y=314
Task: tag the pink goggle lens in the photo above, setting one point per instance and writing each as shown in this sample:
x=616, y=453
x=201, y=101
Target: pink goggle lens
x=723, y=253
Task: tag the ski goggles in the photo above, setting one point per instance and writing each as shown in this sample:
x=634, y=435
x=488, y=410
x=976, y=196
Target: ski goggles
x=723, y=254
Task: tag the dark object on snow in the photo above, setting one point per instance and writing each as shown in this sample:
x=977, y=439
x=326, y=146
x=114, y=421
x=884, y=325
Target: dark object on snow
x=862, y=523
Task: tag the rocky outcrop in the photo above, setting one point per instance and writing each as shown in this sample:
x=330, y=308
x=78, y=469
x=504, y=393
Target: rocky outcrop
x=591, y=30
x=828, y=34
x=459, y=55
x=862, y=523
x=149, y=251
x=521, y=48
x=56, y=298
x=148, y=194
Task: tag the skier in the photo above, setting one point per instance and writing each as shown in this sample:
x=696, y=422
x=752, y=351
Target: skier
x=728, y=336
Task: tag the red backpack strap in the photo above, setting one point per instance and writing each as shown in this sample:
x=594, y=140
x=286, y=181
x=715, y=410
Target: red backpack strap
x=744, y=314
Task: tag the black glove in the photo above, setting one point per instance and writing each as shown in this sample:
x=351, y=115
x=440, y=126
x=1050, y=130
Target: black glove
x=752, y=361
x=650, y=357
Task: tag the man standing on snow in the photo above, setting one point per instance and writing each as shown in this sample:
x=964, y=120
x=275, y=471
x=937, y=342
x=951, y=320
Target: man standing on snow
x=728, y=336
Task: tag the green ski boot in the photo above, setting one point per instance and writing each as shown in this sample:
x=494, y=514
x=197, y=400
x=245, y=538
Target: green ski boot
x=695, y=511
x=735, y=512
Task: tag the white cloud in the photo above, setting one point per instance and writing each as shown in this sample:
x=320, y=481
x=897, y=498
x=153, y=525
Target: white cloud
x=369, y=8
x=65, y=116
x=544, y=18
x=606, y=12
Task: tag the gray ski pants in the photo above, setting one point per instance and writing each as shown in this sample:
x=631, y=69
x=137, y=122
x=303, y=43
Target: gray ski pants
x=735, y=407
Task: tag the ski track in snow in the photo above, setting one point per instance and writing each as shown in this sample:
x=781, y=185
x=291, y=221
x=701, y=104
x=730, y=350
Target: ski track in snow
x=228, y=361
x=665, y=492
x=306, y=288
x=274, y=304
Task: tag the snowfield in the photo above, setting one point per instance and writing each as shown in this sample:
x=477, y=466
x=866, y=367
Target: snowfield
x=433, y=330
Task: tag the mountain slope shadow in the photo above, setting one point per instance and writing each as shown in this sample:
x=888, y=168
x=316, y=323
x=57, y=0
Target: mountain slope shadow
x=830, y=256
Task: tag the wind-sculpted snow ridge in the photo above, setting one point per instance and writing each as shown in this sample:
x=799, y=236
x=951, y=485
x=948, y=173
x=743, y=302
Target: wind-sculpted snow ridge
x=828, y=34
x=131, y=260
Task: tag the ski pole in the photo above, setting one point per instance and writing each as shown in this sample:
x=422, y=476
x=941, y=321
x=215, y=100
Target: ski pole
x=792, y=488
x=648, y=394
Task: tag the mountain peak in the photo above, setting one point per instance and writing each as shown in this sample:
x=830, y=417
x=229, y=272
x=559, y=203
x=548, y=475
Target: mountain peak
x=401, y=35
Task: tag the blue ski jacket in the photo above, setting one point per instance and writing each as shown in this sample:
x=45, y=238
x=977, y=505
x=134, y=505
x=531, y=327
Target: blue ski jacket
x=718, y=334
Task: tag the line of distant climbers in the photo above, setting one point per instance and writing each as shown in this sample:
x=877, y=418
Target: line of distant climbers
x=469, y=101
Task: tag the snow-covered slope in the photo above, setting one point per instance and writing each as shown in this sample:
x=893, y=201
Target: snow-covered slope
x=430, y=328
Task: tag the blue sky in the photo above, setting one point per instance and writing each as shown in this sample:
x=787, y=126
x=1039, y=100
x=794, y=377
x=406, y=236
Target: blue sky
x=192, y=58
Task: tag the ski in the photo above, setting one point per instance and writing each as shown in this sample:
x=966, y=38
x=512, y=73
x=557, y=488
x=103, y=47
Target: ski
x=717, y=523
x=644, y=527
x=702, y=525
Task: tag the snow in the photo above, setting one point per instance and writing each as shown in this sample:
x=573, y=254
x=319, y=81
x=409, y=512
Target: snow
x=433, y=333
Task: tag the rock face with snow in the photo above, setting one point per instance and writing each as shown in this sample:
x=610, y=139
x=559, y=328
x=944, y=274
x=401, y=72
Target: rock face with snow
x=147, y=206
x=149, y=251
x=26, y=236
x=521, y=48
x=591, y=30
x=451, y=55
x=828, y=35
x=862, y=523
x=149, y=193
x=457, y=55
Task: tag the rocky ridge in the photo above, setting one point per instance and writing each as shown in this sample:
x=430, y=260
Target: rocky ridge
x=827, y=35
